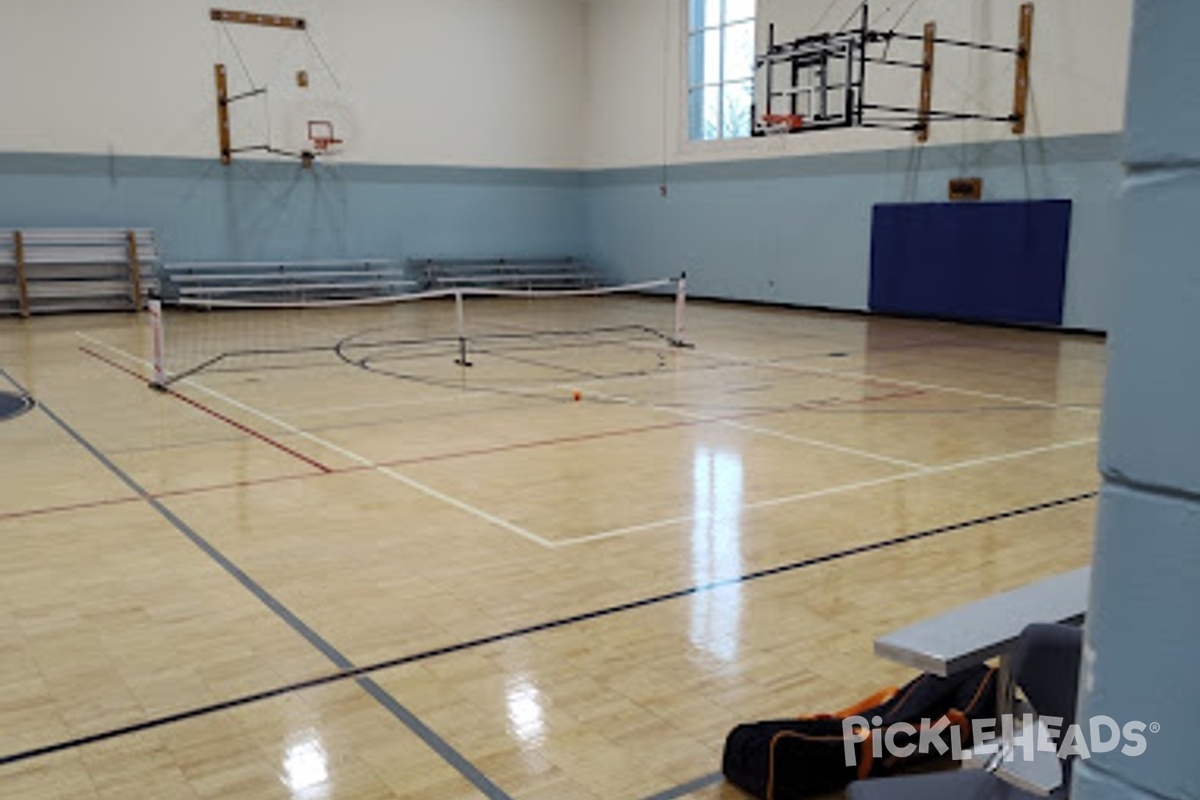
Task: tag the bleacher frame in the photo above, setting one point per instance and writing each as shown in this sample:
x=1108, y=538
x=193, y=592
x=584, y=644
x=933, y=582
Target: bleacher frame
x=48, y=270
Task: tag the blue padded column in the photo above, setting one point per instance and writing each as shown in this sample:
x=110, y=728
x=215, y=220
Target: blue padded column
x=1142, y=656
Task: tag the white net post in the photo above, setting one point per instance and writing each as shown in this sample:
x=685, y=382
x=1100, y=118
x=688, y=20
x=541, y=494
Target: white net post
x=461, y=315
x=680, y=309
x=158, y=343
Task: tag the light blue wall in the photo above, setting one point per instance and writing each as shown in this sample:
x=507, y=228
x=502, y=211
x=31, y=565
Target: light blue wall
x=267, y=210
x=790, y=230
x=798, y=230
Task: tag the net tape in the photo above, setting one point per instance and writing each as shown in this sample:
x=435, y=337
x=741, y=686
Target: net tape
x=432, y=294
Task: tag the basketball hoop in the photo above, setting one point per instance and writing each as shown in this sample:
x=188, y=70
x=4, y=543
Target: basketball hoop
x=321, y=135
x=780, y=123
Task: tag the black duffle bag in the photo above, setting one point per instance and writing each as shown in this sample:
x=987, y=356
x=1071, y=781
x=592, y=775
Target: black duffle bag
x=797, y=758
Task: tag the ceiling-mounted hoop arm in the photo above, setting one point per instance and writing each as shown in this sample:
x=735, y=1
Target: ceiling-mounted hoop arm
x=224, y=130
x=935, y=115
x=225, y=100
x=987, y=48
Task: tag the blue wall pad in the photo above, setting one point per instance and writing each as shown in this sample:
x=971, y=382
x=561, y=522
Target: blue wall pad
x=992, y=262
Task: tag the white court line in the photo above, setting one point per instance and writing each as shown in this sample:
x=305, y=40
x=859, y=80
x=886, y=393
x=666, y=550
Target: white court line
x=837, y=448
x=867, y=377
x=833, y=490
x=618, y=532
x=424, y=401
x=342, y=451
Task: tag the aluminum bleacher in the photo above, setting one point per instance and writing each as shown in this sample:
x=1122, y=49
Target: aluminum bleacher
x=225, y=282
x=504, y=273
x=47, y=270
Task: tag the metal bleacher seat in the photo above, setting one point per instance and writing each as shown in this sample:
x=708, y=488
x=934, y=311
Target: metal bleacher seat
x=252, y=282
x=971, y=634
x=1045, y=663
x=525, y=274
x=1032, y=629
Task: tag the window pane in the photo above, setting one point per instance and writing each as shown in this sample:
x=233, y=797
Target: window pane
x=696, y=114
x=696, y=59
x=712, y=13
x=738, y=97
x=696, y=15
x=704, y=113
x=712, y=112
x=712, y=56
x=739, y=51
x=738, y=10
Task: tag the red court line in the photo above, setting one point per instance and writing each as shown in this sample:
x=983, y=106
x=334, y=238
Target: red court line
x=809, y=406
x=34, y=512
x=252, y=482
x=262, y=437
x=550, y=442
x=120, y=501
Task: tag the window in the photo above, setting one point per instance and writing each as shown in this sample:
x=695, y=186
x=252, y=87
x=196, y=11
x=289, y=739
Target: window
x=720, y=68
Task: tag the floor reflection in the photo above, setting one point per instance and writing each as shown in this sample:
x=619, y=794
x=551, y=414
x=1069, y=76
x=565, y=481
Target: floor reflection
x=718, y=484
x=306, y=768
x=526, y=722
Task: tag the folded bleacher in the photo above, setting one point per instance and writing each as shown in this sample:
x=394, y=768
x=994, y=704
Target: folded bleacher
x=47, y=270
x=526, y=274
x=265, y=282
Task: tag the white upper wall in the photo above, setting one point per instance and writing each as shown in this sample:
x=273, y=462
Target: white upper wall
x=635, y=91
x=455, y=82
x=505, y=83
x=636, y=57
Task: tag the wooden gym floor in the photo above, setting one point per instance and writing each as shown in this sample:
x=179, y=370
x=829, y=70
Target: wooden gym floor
x=298, y=577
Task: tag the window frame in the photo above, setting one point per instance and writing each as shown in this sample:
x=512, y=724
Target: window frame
x=695, y=94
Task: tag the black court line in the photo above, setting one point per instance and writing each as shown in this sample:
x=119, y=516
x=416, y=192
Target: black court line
x=346, y=667
x=21, y=390
x=358, y=672
x=684, y=789
x=217, y=415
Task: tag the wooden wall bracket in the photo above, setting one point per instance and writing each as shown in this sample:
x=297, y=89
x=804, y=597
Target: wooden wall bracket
x=225, y=137
x=1024, y=56
x=19, y=261
x=135, y=270
x=926, y=107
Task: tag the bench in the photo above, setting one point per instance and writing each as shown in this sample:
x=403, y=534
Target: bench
x=45, y=270
x=249, y=282
x=986, y=629
x=504, y=273
x=982, y=630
